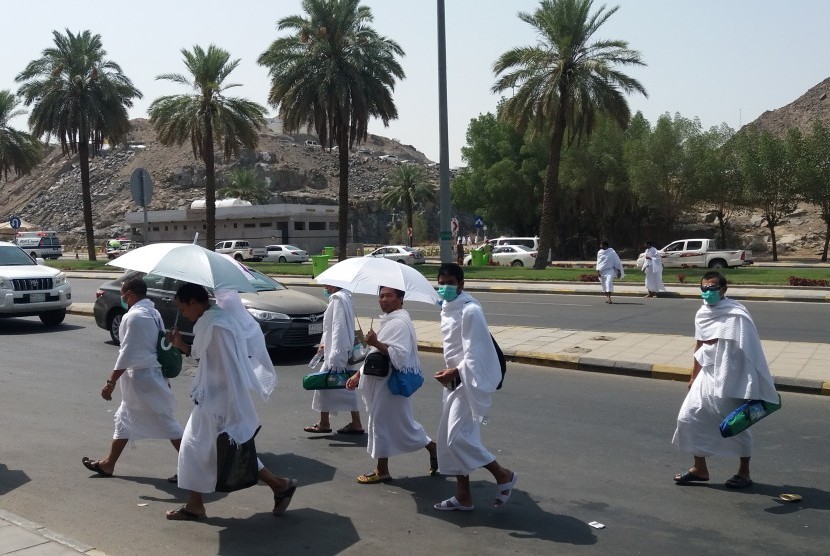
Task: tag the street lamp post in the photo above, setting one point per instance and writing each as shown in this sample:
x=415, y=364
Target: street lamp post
x=444, y=159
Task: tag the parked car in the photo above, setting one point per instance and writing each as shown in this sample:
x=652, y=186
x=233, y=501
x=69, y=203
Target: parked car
x=311, y=143
x=694, y=253
x=531, y=243
x=44, y=244
x=509, y=255
x=285, y=254
x=388, y=157
x=400, y=254
x=115, y=252
x=288, y=318
x=28, y=288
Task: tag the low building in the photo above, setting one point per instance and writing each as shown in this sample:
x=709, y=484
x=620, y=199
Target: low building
x=310, y=227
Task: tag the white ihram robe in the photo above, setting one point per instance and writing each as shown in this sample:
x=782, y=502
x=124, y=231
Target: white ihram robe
x=392, y=426
x=609, y=267
x=338, y=341
x=222, y=398
x=468, y=347
x=147, y=407
x=653, y=269
x=733, y=370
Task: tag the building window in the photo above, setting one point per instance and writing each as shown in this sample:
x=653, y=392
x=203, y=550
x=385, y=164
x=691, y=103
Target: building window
x=249, y=225
x=184, y=228
x=234, y=225
x=265, y=225
x=155, y=228
x=334, y=225
x=317, y=226
x=166, y=228
x=175, y=228
x=299, y=225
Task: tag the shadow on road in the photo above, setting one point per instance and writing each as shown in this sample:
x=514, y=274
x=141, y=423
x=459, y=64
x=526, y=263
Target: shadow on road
x=11, y=479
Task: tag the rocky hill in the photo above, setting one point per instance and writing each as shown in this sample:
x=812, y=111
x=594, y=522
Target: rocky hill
x=51, y=195
x=812, y=106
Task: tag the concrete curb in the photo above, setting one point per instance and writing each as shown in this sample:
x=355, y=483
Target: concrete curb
x=42, y=531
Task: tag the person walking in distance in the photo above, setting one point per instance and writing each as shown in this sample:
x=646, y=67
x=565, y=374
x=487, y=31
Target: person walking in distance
x=471, y=376
x=609, y=266
x=147, y=407
x=653, y=269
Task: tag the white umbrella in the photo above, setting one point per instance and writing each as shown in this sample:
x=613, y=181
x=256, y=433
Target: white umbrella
x=368, y=274
x=188, y=262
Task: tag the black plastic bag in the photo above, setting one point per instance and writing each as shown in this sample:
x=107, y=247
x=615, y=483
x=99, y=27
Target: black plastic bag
x=236, y=464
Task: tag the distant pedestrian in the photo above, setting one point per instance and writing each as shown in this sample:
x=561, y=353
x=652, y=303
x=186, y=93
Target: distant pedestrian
x=392, y=426
x=148, y=408
x=609, y=266
x=471, y=376
x=459, y=253
x=653, y=269
x=221, y=394
x=729, y=367
x=336, y=346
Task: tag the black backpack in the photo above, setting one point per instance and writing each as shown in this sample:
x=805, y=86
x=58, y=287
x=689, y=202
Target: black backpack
x=502, y=361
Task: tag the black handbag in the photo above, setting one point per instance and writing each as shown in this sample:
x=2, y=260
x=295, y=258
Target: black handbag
x=236, y=464
x=376, y=364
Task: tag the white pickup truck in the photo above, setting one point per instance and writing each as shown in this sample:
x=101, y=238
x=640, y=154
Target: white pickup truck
x=689, y=253
x=241, y=250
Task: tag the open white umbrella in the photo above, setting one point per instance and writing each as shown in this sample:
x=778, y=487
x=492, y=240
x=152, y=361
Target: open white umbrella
x=188, y=262
x=368, y=274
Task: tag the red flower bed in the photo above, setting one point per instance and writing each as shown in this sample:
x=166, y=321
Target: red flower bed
x=589, y=277
x=796, y=281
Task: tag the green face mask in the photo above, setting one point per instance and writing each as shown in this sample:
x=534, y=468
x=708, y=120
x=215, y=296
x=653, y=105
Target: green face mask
x=448, y=292
x=124, y=304
x=326, y=294
x=711, y=297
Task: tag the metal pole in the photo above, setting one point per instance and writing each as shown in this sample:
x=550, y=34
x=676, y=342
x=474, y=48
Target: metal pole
x=144, y=206
x=444, y=160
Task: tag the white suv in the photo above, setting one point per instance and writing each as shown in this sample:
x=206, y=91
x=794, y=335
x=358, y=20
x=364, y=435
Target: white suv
x=531, y=243
x=29, y=288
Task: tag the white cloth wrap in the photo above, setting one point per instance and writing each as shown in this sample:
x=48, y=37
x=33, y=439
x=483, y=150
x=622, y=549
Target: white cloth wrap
x=469, y=348
x=608, y=266
x=147, y=408
x=733, y=369
x=338, y=341
x=653, y=269
x=392, y=428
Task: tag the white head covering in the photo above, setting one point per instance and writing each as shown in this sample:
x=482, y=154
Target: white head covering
x=230, y=302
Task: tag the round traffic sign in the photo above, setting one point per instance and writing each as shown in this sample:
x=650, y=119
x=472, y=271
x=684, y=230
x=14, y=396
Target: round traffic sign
x=14, y=222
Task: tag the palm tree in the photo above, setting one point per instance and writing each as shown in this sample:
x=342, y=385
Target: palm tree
x=562, y=83
x=408, y=186
x=207, y=117
x=242, y=183
x=80, y=97
x=331, y=74
x=19, y=151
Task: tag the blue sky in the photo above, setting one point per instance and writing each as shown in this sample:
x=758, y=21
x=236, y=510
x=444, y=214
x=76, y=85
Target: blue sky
x=721, y=61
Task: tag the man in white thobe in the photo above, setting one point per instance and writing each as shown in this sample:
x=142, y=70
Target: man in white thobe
x=337, y=344
x=392, y=427
x=653, y=269
x=222, y=401
x=472, y=375
x=729, y=368
x=147, y=407
x=609, y=266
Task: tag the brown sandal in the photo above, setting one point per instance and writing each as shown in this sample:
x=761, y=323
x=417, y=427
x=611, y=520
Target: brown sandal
x=316, y=428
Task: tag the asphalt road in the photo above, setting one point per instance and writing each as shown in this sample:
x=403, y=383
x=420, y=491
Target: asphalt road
x=796, y=322
x=587, y=447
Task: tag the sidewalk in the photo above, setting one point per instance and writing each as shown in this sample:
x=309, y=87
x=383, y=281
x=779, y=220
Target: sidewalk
x=22, y=537
x=796, y=366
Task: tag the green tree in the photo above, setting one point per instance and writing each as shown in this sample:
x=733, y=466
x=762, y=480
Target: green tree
x=80, y=97
x=814, y=175
x=19, y=151
x=563, y=82
x=242, y=183
x=207, y=117
x=408, y=188
x=331, y=74
x=660, y=170
x=770, y=178
x=502, y=180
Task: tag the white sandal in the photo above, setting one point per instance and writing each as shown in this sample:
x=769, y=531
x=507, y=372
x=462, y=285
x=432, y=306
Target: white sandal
x=501, y=498
x=452, y=504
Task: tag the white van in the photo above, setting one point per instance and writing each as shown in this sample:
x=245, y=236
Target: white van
x=44, y=244
x=529, y=242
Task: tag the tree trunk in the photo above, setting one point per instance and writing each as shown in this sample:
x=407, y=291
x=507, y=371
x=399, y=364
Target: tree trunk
x=771, y=227
x=86, y=196
x=210, y=183
x=550, y=199
x=343, y=193
x=407, y=207
x=826, y=241
x=722, y=226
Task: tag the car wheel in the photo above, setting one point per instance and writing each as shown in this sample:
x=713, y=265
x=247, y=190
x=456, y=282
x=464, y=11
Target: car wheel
x=401, y=261
x=115, y=325
x=517, y=263
x=33, y=255
x=238, y=257
x=282, y=260
x=717, y=264
x=53, y=318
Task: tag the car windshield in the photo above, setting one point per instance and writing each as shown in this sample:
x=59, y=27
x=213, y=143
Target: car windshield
x=11, y=255
x=522, y=248
x=292, y=248
x=263, y=283
x=411, y=249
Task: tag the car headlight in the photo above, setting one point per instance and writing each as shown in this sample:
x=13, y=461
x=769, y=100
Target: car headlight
x=59, y=280
x=267, y=315
x=5, y=283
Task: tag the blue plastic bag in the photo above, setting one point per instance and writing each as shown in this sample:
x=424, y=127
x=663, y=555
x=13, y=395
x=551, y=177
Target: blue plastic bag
x=404, y=383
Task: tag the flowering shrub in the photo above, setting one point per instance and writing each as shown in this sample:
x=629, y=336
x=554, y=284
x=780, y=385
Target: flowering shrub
x=589, y=277
x=681, y=278
x=796, y=281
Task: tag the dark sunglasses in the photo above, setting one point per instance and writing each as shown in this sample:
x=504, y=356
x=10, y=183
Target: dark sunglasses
x=710, y=288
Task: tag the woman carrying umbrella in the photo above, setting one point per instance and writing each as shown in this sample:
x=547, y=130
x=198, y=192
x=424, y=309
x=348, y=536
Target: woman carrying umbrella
x=392, y=426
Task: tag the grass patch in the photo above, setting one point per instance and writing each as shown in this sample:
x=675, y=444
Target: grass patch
x=760, y=276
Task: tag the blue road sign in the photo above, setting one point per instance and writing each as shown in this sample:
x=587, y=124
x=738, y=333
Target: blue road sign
x=14, y=222
x=479, y=222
